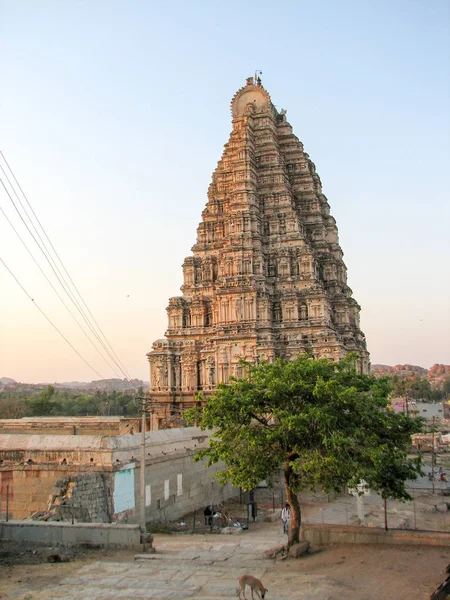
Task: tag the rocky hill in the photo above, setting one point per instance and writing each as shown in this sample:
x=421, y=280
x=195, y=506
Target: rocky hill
x=399, y=370
x=436, y=375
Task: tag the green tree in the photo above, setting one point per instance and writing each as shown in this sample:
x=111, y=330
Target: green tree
x=325, y=425
x=12, y=407
x=418, y=388
x=446, y=386
x=44, y=404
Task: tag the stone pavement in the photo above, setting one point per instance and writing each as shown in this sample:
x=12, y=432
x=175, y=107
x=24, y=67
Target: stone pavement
x=186, y=566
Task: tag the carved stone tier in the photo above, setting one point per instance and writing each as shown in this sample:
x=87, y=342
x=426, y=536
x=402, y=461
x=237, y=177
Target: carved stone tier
x=267, y=277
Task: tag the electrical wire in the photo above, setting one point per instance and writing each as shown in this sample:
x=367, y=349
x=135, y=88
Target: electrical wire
x=122, y=368
x=60, y=277
x=51, y=323
x=56, y=291
x=55, y=271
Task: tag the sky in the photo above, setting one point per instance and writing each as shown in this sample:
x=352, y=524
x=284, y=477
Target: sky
x=113, y=116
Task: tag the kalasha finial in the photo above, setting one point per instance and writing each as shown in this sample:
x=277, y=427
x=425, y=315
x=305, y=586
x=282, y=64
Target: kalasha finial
x=257, y=78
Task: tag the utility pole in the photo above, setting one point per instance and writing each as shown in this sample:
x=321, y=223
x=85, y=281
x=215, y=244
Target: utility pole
x=142, y=522
x=432, y=458
x=143, y=410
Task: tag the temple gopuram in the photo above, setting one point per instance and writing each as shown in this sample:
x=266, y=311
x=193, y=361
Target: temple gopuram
x=266, y=278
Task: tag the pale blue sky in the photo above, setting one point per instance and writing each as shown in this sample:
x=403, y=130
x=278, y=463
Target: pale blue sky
x=114, y=115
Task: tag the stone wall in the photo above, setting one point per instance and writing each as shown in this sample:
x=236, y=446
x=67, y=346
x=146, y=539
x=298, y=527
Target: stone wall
x=28, y=490
x=175, y=486
x=85, y=475
x=56, y=494
x=71, y=425
x=85, y=497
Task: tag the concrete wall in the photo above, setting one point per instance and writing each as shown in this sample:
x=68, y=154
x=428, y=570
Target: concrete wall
x=176, y=485
x=124, y=501
x=66, y=534
x=321, y=535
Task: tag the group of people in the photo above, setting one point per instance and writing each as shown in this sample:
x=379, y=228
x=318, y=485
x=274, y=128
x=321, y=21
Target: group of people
x=285, y=516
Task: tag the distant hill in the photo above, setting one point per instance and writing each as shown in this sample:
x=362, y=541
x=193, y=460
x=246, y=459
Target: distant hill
x=399, y=370
x=436, y=375
x=107, y=385
x=117, y=385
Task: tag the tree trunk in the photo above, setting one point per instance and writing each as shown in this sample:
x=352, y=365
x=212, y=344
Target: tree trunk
x=291, y=497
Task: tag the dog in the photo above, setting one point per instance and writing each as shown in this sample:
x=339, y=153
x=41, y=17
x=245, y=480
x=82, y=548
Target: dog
x=253, y=583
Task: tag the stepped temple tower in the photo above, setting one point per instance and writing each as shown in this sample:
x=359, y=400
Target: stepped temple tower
x=266, y=278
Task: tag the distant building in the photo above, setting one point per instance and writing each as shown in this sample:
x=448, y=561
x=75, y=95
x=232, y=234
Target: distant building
x=267, y=277
x=427, y=410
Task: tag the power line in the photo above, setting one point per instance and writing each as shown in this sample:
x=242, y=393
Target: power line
x=60, y=277
x=51, y=323
x=119, y=363
x=57, y=271
x=56, y=291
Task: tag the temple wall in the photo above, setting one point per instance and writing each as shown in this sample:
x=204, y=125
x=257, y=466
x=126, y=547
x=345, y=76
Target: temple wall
x=97, y=478
x=70, y=425
x=177, y=485
x=43, y=489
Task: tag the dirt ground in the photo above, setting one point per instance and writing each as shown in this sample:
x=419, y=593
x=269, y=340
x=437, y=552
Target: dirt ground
x=378, y=573
x=361, y=572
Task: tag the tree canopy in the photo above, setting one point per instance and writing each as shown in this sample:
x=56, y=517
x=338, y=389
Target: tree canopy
x=44, y=404
x=15, y=404
x=418, y=388
x=323, y=423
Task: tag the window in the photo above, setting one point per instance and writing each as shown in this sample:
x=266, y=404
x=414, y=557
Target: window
x=148, y=495
x=179, y=484
x=166, y=489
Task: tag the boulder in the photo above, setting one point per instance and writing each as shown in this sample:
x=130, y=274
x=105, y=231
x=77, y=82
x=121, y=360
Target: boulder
x=298, y=550
x=232, y=530
x=273, y=516
x=275, y=551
